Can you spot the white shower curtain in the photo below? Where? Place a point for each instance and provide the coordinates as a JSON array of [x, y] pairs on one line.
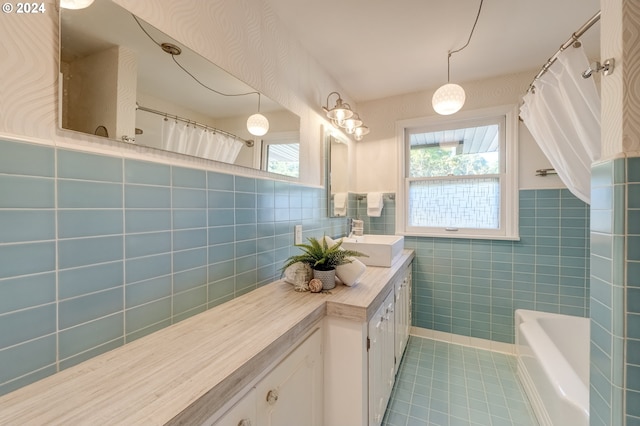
[[563, 115], [174, 136], [184, 138]]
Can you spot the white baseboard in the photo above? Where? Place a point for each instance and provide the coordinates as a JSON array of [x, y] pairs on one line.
[[474, 342]]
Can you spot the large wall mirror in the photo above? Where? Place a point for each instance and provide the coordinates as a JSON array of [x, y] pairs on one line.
[[118, 82], [337, 173]]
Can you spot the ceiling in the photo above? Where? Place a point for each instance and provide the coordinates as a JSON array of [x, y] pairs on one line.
[[380, 48]]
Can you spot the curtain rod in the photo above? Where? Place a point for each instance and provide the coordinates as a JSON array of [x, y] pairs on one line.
[[249, 142], [574, 38]]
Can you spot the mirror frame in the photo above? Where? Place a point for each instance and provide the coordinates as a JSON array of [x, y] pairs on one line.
[[332, 136]]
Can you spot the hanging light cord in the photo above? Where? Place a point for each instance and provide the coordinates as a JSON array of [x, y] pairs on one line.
[[190, 74], [451, 52]]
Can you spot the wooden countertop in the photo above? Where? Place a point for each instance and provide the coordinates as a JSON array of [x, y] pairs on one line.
[[185, 372]]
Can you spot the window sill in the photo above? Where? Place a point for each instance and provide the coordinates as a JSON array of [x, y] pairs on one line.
[[461, 236]]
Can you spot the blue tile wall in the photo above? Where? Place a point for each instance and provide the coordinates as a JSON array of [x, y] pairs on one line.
[[472, 287], [97, 251], [357, 209], [384, 224], [615, 297], [632, 286]]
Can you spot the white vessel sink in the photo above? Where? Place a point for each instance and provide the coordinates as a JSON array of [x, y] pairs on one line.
[[383, 250]]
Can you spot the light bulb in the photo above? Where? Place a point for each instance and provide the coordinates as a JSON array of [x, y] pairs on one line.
[[350, 124], [257, 124], [360, 132], [340, 112], [75, 4], [448, 99]]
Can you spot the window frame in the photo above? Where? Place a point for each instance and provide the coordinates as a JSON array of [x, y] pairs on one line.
[[261, 160], [509, 227]]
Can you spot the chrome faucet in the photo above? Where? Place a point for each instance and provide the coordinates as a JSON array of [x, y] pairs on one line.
[[349, 227]]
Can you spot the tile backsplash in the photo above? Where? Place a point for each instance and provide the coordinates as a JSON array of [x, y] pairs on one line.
[[472, 287], [384, 224], [97, 251]]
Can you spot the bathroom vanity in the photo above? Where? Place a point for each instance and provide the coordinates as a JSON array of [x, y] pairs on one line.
[[266, 357]]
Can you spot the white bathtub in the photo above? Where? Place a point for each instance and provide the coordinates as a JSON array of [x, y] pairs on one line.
[[553, 366]]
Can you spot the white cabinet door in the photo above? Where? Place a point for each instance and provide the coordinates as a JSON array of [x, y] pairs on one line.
[[381, 359], [291, 394], [389, 369], [399, 338], [408, 299], [403, 313], [376, 342], [241, 414]]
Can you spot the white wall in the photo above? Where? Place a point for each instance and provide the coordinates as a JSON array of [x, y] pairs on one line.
[[243, 37], [377, 162]]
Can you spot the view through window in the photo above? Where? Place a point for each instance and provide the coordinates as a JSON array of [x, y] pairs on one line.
[[458, 178], [460, 175]]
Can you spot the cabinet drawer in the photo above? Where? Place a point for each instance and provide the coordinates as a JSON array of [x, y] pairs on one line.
[[241, 414], [291, 394]]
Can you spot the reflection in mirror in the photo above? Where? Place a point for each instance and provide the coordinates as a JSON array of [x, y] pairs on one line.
[[118, 82], [280, 153], [337, 173]]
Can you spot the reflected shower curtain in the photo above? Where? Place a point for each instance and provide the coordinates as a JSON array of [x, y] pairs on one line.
[[174, 136], [218, 146], [563, 115], [185, 138]]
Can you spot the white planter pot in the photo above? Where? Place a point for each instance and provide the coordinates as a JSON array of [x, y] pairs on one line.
[[328, 278]]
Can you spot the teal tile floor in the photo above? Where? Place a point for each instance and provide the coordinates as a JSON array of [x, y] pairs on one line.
[[451, 385]]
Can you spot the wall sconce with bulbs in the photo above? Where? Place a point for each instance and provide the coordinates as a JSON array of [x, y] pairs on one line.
[[342, 116]]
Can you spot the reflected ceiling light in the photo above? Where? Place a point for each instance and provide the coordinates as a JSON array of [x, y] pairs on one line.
[[343, 117], [449, 98], [450, 144], [257, 124], [75, 4]]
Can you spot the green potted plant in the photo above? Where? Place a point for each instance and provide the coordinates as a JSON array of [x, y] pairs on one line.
[[323, 259]]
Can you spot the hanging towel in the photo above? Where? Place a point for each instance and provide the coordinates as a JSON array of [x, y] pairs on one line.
[[374, 204], [340, 204]]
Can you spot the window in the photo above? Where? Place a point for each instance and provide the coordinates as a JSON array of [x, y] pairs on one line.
[[280, 153], [282, 158], [459, 176]]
